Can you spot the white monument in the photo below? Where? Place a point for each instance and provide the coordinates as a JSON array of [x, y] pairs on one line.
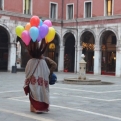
[[82, 68], [82, 75]]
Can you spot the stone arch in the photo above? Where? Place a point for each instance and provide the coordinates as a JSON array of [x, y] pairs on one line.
[[53, 53], [107, 29], [66, 32], [24, 55], [11, 36], [107, 42], [58, 34], [69, 52], [5, 37], [85, 30], [87, 41]]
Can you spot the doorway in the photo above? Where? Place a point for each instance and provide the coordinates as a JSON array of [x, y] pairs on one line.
[[4, 41], [108, 61]]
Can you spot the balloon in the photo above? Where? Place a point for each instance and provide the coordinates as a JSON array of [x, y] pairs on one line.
[[28, 26], [19, 29], [43, 30], [41, 22], [48, 23], [34, 33], [35, 21], [25, 37], [39, 38], [50, 36]]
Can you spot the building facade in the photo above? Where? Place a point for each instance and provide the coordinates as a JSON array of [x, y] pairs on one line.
[[91, 27]]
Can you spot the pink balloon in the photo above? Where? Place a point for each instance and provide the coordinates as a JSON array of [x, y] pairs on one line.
[[48, 23], [25, 37]]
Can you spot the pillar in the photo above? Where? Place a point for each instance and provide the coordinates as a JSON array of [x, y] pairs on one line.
[[97, 60], [118, 61], [12, 56], [61, 59]]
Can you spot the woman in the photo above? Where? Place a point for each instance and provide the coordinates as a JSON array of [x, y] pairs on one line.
[[37, 77]]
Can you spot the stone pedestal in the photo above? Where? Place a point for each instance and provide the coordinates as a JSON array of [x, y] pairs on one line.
[[82, 68]]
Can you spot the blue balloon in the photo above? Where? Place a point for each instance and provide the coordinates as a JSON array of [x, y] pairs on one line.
[[34, 33], [41, 22]]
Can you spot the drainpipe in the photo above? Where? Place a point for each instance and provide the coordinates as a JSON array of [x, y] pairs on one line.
[[61, 43], [77, 32], [62, 14]]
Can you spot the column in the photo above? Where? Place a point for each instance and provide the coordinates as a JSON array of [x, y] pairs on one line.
[[61, 59], [79, 53], [75, 60], [118, 61], [97, 60], [11, 56]]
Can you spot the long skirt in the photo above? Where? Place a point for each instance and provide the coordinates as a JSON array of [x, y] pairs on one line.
[[38, 90], [38, 107]]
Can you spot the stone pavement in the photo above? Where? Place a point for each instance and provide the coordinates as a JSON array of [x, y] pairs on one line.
[[68, 102]]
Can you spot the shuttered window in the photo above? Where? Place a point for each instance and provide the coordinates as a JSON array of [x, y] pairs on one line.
[[109, 7], [27, 7], [87, 9], [70, 12], [53, 11], [0, 4]]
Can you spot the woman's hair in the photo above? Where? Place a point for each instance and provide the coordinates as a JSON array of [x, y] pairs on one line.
[[36, 49]]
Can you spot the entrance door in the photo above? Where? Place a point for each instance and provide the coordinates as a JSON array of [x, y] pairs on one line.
[[89, 58], [3, 49], [51, 52], [88, 41], [69, 53], [3, 58], [108, 61]]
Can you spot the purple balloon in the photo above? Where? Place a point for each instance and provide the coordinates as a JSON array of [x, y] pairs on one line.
[[39, 38], [43, 30]]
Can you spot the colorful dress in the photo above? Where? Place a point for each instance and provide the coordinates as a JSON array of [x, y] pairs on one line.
[[38, 84]]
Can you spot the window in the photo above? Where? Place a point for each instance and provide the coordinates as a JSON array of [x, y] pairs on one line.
[[108, 7], [53, 11], [70, 12], [27, 6], [1, 1], [87, 9]]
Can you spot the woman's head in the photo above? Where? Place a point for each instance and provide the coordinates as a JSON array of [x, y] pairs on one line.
[[36, 49]]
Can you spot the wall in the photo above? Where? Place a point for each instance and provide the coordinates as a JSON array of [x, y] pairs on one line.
[[97, 8], [13, 6], [117, 7]]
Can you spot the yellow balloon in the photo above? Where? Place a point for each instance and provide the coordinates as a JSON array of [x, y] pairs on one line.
[[19, 29], [50, 36]]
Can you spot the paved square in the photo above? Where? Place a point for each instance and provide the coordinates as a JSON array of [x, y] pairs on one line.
[[69, 102]]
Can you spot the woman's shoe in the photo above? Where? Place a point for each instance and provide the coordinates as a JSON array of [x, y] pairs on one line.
[[32, 108]]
